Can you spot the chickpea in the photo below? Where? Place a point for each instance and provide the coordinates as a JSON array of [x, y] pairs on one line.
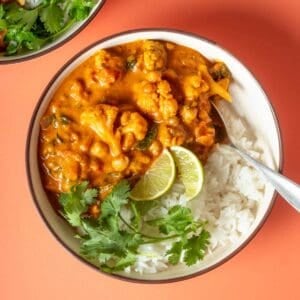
[[94, 210], [195, 81], [170, 46], [120, 163], [99, 149], [95, 165], [84, 145], [54, 108], [191, 93], [142, 158], [204, 134], [204, 86], [203, 115], [173, 121], [71, 169], [74, 137], [48, 149], [155, 148], [188, 114], [206, 140], [178, 140]]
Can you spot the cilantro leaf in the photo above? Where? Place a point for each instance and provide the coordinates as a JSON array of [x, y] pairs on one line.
[[2, 12], [89, 195], [195, 247], [116, 247], [78, 9], [112, 203], [177, 220], [52, 17], [110, 246], [24, 18], [104, 242], [17, 38], [104, 257], [76, 202], [125, 262], [174, 253]]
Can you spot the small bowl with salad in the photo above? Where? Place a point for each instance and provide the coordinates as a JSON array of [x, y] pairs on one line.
[[29, 28]]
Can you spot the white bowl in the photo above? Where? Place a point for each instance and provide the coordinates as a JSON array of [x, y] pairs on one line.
[[251, 103], [63, 38]]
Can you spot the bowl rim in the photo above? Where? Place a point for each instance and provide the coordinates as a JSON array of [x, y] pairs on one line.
[[31, 185], [34, 54]]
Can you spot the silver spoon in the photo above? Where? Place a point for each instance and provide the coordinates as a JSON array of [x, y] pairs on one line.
[[288, 189]]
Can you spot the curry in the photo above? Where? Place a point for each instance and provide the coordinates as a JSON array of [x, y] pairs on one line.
[[116, 112]]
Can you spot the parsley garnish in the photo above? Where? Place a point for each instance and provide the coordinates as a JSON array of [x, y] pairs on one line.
[[113, 242]]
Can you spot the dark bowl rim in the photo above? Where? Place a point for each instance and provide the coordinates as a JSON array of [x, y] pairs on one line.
[[34, 54], [31, 185]]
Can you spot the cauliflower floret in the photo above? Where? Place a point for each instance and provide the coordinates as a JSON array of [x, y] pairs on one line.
[[156, 100], [193, 86], [139, 163], [133, 122], [75, 91], [108, 68], [101, 121], [146, 97], [155, 55], [170, 136]]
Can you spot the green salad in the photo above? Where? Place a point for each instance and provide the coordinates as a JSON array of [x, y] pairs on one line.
[[30, 25]]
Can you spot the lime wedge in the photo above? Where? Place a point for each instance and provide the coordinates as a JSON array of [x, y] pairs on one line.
[[157, 180], [190, 170]]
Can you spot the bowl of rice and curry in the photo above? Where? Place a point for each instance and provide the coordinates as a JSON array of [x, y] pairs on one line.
[[30, 28], [125, 159]]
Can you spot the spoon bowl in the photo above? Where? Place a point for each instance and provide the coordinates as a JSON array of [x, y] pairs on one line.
[[288, 189]]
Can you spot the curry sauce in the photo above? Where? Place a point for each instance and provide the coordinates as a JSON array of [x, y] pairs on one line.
[[115, 113]]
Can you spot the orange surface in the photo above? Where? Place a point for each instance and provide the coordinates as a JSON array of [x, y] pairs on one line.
[[33, 265]]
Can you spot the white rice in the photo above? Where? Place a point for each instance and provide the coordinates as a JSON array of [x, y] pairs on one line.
[[228, 201]]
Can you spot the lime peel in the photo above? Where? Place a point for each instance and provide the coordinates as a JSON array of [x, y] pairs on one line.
[[157, 180], [190, 170]]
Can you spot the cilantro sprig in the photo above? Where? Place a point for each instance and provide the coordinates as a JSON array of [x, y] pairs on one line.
[[113, 242], [77, 202], [30, 29]]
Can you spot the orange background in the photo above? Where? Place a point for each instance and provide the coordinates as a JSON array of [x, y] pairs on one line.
[[264, 35]]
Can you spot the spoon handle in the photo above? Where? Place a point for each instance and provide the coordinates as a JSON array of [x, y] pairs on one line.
[[288, 189]]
